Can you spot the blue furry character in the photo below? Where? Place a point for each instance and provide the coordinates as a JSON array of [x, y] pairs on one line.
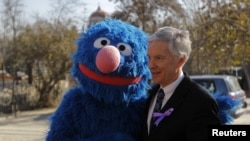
[[110, 65], [226, 106]]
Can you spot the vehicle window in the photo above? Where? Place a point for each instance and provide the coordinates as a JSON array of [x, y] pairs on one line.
[[207, 84], [222, 86], [233, 85]]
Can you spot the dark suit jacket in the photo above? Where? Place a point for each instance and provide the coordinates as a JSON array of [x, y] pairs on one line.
[[194, 110]]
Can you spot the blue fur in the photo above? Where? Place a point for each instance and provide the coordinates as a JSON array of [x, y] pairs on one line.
[[226, 106], [93, 111]]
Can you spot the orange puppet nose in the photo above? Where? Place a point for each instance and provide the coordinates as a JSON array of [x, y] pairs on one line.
[[108, 59]]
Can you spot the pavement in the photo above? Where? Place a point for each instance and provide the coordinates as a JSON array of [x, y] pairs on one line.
[[26, 126], [33, 125]]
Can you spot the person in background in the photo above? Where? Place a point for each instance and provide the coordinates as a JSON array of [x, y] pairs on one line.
[[178, 109]]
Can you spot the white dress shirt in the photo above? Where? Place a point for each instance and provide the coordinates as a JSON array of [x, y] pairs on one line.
[[168, 90]]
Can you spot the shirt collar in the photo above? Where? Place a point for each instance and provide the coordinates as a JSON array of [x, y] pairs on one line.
[[171, 87]]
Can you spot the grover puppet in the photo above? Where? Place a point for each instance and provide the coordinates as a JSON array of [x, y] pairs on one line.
[[110, 66], [226, 106]]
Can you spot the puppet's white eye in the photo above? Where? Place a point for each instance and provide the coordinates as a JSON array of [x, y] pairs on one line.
[[101, 42], [125, 49]]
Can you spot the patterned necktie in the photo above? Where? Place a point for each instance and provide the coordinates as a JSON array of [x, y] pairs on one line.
[[158, 104]]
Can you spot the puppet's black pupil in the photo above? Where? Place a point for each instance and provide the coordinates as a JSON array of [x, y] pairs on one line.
[[121, 47], [104, 42]]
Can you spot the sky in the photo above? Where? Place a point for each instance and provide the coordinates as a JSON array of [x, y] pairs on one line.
[[43, 6]]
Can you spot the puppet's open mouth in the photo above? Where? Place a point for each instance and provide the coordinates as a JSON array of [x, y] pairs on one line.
[[110, 80]]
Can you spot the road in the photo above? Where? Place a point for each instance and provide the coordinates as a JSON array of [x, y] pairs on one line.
[[27, 126], [33, 125]]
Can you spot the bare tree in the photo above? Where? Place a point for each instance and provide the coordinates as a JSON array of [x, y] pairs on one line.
[[49, 62], [11, 25], [220, 35], [63, 10], [150, 14], [51, 42], [42, 49]]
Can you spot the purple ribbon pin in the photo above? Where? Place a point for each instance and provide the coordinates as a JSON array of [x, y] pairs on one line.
[[160, 116]]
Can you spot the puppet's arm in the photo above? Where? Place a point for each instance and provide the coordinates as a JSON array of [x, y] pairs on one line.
[[63, 122]]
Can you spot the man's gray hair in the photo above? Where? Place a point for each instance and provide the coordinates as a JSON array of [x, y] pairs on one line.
[[178, 40]]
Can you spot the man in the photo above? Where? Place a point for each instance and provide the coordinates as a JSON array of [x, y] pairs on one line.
[[186, 109]]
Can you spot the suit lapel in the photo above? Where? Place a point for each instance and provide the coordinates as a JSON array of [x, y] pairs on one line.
[[175, 100]]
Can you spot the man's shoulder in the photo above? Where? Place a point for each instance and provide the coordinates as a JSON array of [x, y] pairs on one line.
[[197, 91]]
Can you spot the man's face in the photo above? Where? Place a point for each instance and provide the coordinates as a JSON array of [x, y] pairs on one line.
[[164, 66]]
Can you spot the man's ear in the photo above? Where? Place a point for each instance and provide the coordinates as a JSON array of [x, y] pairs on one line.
[[181, 61]]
